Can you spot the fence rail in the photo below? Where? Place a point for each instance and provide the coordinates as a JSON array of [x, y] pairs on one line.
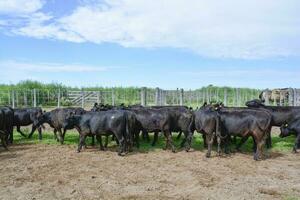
[[144, 96]]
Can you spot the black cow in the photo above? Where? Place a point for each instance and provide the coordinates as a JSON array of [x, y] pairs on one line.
[[244, 122], [207, 123], [102, 123], [182, 120], [289, 129], [56, 118], [27, 116], [8, 123], [280, 114], [154, 120], [3, 133], [244, 139]]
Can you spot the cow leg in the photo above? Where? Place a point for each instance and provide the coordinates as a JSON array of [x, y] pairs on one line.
[[40, 133], [55, 135], [93, 140], [297, 142], [219, 145], [169, 141], [269, 141], [137, 139], [209, 141], [146, 136], [99, 139], [32, 131], [60, 136], [155, 138], [19, 130], [113, 138], [81, 142], [3, 141], [106, 141], [260, 141], [122, 145], [204, 141], [243, 140], [188, 140], [234, 140], [179, 135], [64, 133]]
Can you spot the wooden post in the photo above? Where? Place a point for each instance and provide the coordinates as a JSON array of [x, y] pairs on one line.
[[225, 96], [34, 97], [13, 98], [98, 97], [291, 97], [144, 96], [267, 100], [181, 97], [177, 96], [157, 96], [113, 100], [58, 98], [82, 98], [281, 98], [25, 99], [295, 96], [17, 99]]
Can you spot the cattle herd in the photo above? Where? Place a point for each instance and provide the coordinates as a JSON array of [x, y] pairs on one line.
[[218, 124]]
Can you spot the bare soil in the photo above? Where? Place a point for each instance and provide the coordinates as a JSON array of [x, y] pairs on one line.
[[39, 171]]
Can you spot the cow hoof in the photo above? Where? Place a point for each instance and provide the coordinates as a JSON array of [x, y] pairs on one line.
[[294, 151], [207, 155]]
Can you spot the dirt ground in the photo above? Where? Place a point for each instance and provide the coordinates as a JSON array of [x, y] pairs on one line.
[[40, 171]]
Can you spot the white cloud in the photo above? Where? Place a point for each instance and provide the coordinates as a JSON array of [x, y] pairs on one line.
[[49, 67], [229, 28], [20, 6]]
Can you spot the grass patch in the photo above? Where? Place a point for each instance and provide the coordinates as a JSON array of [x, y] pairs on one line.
[[72, 138]]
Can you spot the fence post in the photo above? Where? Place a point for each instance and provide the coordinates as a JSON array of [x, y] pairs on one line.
[[267, 100], [113, 100], [281, 98], [25, 99], [98, 97], [291, 97], [181, 97], [295, 96], [225, 96], [157, 96], [82, 98], [34, 97], [13, 98], [58, 98], [144, 96]]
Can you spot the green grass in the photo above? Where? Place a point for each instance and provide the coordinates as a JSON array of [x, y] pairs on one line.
[[72, 137]]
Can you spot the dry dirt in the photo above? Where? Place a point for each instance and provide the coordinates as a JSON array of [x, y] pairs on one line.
[[39, 171]]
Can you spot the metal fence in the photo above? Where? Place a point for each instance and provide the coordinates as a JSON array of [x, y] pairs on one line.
[[143, 96]]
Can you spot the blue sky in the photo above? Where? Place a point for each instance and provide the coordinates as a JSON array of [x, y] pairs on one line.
[[168, 43]]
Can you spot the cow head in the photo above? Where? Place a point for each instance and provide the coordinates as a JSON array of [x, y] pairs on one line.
[[285, 130], [41, 119], [255, 103], [71, 120]]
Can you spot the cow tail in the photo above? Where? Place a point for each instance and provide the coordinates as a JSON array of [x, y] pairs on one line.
[[218, 128], [127, 134]]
